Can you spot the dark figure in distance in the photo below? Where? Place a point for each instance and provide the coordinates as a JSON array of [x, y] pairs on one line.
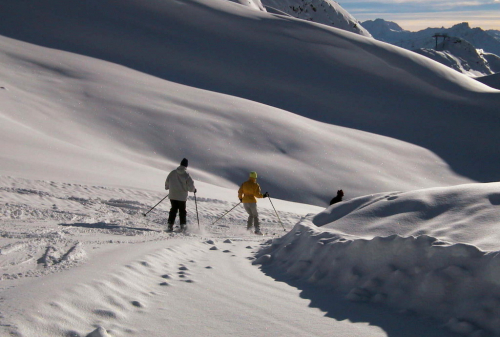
[[338, 198]]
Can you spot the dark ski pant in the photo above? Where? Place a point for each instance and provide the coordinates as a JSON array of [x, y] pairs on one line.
[[180, 206]]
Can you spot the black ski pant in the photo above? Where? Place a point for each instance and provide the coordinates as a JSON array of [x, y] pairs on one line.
[[180, 206]]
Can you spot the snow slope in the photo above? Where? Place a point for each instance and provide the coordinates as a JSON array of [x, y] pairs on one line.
[[494, 33], [349, 81], [415, 251], [493, 61], [463, 213], [456, 284], [326, 12], [73, 118], [491, 80], [255, 4]]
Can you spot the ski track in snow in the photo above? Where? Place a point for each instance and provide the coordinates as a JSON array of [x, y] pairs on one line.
[[47, 223], [48, 227]]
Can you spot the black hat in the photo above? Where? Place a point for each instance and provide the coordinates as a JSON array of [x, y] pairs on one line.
[[184, 162]]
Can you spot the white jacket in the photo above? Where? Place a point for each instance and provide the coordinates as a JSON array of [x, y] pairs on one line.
[[179, 182]]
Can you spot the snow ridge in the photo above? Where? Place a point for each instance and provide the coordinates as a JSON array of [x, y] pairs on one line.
[[457, 284]]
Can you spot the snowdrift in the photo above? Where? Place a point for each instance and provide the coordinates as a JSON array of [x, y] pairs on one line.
[[456, 284], [415, 251], [465, 213], [301, 67]]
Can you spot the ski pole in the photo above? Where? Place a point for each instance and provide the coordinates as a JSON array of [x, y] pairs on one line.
[[225, 214], [155, 206], [196, 204], [276, 213]]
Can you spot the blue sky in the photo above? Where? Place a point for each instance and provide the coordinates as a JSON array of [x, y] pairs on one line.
[[420, 14]]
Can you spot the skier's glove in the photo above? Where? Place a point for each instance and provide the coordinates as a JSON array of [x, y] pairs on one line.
[[195, 190], [266, 195], [241, 200]]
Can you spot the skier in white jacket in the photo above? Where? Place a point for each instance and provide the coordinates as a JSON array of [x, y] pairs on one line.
[[179, 183]]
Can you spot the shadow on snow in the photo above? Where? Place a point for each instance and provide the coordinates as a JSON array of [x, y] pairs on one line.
[[334, 305], [103, 225]]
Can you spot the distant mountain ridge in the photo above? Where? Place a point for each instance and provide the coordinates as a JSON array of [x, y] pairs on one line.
[[392, 33], [471, 51]]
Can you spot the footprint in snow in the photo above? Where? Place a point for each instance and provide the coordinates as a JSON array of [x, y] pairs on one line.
[[183, 268], [228, 241], [214, 248], [105, 313], [137, 304], [226, 251], [164, 284], [166, 276]]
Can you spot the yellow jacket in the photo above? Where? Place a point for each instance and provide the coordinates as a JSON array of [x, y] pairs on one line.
[[249, 190]]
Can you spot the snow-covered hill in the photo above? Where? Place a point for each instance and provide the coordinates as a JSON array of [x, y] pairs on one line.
[[327, 12], [302, 68], [377, 249]]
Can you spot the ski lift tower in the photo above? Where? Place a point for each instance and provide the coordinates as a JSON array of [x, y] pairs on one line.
[[437, 36]]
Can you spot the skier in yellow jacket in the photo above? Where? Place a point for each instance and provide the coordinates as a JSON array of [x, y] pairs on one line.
[[247, 194]]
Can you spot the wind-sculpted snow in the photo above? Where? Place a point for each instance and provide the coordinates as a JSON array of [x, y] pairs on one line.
[[462, 213], [106, 124], [454, 283]]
